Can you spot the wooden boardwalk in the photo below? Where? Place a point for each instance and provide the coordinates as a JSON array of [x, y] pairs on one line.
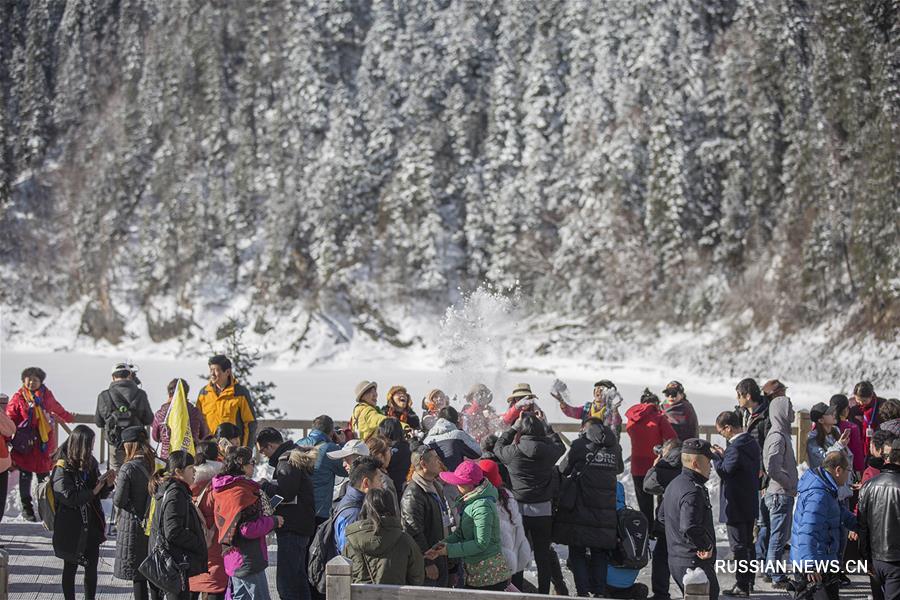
[[35, 573]]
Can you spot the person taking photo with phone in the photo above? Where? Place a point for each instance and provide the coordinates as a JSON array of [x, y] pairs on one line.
[[291, 481]]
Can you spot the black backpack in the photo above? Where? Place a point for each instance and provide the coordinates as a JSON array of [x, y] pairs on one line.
[[633, 546], [119, 418], [322, 550]]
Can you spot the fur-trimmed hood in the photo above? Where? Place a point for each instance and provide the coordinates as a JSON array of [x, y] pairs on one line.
[[204, 473], [303, 457]]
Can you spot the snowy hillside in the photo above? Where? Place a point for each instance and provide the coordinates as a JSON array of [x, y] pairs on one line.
[[704, 185]]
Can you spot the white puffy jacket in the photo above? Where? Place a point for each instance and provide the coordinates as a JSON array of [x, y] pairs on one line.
[[513, 543]]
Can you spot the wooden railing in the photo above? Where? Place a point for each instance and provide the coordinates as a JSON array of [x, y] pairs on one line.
[[800, 430], [339, 586]]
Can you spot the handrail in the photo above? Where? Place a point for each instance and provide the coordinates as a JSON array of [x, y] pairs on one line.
[[339, 586], [801, 426]]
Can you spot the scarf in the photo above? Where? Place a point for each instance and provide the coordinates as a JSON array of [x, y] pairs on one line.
[[38, 416], [400, 414], [596, 411], [230, 502]]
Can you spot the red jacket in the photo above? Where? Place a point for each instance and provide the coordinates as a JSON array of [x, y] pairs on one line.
[[18, 410], [647, 427], [859, 414], [868, 474], [215, 580]]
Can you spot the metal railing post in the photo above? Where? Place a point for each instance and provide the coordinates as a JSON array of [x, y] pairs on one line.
[[801, 418]]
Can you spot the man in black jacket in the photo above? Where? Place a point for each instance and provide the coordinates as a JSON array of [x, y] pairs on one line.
[[657, 479], [738, 468], [291, 480], [119, 407], [687, 516], [530, 450], [423, 511], [879, 525]]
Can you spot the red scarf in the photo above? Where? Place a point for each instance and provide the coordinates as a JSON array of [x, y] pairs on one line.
[[229, 503], [392, 411]]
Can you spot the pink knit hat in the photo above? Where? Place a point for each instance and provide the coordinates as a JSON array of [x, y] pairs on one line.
[[467, 473]]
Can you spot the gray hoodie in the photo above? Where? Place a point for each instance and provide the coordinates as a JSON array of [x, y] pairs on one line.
[[779, 460]]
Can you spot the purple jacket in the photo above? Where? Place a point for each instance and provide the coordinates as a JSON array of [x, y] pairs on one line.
[[248, 554], [160, 431]]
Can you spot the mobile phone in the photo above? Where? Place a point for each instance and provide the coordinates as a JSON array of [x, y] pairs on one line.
[[275, 500]]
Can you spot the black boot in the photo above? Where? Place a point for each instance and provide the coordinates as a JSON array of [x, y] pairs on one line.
[[28, 512]]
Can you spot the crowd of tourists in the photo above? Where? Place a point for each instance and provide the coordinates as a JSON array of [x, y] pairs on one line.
[[467, 498]]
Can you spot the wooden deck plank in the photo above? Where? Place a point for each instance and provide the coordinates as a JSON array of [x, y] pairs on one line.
[[35, 573]]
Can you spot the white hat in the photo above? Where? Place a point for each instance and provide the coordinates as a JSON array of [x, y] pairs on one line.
[[124, 366], [351, 448]]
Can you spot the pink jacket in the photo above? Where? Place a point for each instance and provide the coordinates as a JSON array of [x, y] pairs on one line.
[[251, 530], [857, 445], [18, 410]]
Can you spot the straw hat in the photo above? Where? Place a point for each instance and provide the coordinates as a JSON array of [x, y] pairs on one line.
[[522, 390]]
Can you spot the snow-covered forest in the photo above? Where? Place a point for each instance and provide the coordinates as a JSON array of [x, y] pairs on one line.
[[728, 170]]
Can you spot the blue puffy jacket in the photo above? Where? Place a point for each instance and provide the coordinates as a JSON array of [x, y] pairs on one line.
[[818, 517], [326, 470]]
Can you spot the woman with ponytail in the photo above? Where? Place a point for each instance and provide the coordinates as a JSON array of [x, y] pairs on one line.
[[378, 549], [132, 498], [176, 522]]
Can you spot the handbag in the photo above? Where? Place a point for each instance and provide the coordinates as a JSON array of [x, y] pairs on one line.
[[160, 567], [25, 438]]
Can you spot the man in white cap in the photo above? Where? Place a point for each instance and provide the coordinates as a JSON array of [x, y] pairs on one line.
[[120, 406], [366, 417], [352, 450]]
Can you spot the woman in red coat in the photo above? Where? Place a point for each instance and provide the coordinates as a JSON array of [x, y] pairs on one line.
[[647, 427], [35, 403], [215, 580]]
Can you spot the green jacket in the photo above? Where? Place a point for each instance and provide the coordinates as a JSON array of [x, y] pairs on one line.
[[388, 556], [478, 534]]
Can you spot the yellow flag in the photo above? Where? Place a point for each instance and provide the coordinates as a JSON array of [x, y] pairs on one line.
[[179, 422]]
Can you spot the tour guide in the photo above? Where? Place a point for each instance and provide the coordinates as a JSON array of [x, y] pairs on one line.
[[687, 516]]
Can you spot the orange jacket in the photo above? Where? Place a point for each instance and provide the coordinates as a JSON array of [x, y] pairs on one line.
[[233, 405]]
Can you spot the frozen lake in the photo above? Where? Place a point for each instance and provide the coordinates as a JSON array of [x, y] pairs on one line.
[[304, 393]]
